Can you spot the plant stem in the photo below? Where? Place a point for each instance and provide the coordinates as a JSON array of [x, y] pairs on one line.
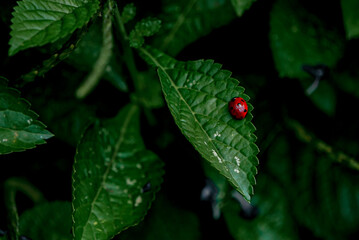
[[128, 53], [103, 59], [13, 185], [13, 217], [307, 137]]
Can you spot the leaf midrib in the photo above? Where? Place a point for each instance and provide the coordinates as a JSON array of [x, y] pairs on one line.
[[119, 142], [190, 109]]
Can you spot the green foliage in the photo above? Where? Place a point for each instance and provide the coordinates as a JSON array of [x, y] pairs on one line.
[[351, 17], [112, 166], [339, 207], [324, 98], [149, 97], [87, 52], [50, 220], [347, 79], [309, 180], [197, 94], [19, 129], [122, 131], [273, 217], [165, 221], [38, 22], [128, 13], [240, 6], [299, 38], [104, 57], [186, 21], [144, 28]]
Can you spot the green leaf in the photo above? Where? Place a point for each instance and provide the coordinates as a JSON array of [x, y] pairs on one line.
[[273, 221], [197, 94], [240, 6], [299, 38], [351, 17], [50, 220], [188, 20], [324, 98], [149, 90], [348, 79], [38, 22], [128, 13], [19, 129], [112, 166], [330, 207], [165, 221], [144, 28], [69, 120]]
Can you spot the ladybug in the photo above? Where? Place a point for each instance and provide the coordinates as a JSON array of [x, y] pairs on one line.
[[238, 108]]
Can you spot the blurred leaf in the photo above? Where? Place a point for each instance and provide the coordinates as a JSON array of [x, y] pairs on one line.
[[50, 220], [279, 162], [299, 38], [150, 91], [324, 97], [348, 80], [188, 20], [326, 196], [38, 22], [219, 181], [112, 166], [273, 221], [144, 28], [197, 94], [351, 17], [165, 221], [19, 129], [69, 120], [87, 52], [128, 13], [240, 6]]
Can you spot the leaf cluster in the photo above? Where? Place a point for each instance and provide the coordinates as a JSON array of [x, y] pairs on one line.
[[140, 143]]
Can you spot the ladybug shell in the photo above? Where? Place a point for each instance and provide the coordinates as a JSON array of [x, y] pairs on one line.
[[238, 108]]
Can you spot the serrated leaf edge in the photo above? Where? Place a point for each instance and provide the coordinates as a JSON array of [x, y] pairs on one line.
[[216, 152]]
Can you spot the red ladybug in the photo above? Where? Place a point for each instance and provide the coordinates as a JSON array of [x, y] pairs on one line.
[[238, 108]]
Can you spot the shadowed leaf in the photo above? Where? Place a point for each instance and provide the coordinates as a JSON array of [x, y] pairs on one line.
[[111, 169]]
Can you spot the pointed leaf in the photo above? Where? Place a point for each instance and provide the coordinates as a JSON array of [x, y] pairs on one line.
[[38, 22], [351, 17], [47, 221], [197, 94], [115, 178], [188, 20], [19, 129], [299, 38]]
